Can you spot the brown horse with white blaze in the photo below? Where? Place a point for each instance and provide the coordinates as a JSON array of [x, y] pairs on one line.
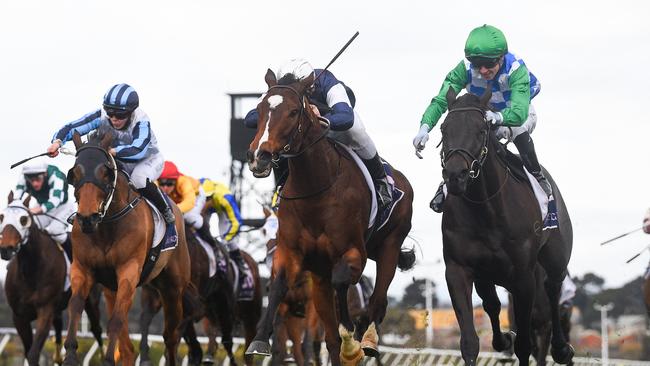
[[111, 236], [323, 219]]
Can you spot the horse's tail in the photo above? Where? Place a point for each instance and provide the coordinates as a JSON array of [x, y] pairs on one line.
[[406, 259], [192, 305]]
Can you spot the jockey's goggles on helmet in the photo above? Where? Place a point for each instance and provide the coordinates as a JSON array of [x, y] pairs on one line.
[[487, 62], [119, 114], [167, 182], [33, 176]]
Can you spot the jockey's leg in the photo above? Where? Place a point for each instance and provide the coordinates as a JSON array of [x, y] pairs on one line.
[[143, 175], [155, 195], [358, 140], [235, 255]]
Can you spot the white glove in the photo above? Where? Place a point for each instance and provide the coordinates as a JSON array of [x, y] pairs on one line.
[[421, 138], [494, 117]]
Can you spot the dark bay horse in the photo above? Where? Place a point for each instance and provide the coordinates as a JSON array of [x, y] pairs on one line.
[[323, 219], [220, 307], [35, 281], [492, 233], [111, 237]]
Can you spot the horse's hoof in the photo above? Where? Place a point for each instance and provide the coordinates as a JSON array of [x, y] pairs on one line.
[[207, 360], [563, 355], [259, 348], [508, 344], [370, 351], [70, 360], [369, 341]]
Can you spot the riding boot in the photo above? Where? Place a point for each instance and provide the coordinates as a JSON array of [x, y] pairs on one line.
[[378, 174], [438, 199], [205, 234], [526, 148], [153, 194], [236, 256]]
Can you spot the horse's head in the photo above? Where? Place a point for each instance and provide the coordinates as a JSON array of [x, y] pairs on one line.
[[282, 113], [15, 223], [465, 134], [94, 176]]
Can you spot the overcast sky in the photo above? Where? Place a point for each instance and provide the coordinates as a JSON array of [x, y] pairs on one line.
[[57, 59]]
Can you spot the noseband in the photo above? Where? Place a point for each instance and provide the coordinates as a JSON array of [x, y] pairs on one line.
[[323, 121], [475, 164], [108, 189]]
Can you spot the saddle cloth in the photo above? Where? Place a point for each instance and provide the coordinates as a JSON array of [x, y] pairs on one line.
[[160, 232], [398, 194], [244, 288]]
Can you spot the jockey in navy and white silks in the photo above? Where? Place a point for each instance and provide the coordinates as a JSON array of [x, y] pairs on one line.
[[134, 143], [48, 185], [330, 98]]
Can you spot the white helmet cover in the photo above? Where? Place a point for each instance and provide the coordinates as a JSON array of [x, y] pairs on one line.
[[299, 67], [35, 168]]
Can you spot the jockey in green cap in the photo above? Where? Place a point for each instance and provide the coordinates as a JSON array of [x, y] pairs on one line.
[[488, 63]]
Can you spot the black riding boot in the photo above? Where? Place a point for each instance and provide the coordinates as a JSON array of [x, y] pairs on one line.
[[205, 234], [153, 194], [241, 264], [438, 199], [528, 156], [67, 247], [378, 174]]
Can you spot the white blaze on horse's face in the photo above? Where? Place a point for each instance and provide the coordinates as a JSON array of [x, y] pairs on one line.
[[274, 101]]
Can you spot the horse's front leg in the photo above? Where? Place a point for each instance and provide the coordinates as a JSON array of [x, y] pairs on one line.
[[43, 322], [81, 281], [492, 306], [345, 273], [286, 268], [459, 283], [150, 305], [118, 326], [523, 295], [323, 297]]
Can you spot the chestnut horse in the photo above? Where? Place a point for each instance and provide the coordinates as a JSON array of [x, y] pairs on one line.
[[111, 237], [492, 233], [219, 307], [37, 294], [323, 219]]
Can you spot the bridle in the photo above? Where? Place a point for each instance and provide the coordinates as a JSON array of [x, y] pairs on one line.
[[108, 189], [303, 104], [25, 238], [475, 164]]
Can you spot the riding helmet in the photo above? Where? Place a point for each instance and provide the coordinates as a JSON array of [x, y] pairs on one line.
[[121, 97], [170, 171], [486, 41], [35, 168], [298, 67]]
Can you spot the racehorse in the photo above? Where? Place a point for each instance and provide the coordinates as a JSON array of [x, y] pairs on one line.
[[323, 215], [111, 236], [219, 305], [37, 294], [492, 232], [646, 297]]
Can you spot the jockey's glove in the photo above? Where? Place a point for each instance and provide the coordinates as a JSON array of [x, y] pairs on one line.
[[422, 137], [494, 117]]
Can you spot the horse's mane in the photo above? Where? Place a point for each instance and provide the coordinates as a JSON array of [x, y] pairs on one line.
[[95, 137]]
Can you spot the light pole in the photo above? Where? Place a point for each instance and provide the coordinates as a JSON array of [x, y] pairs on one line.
[[603, 331]]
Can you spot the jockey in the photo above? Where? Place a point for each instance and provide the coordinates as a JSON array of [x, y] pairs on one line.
[[488, 63], [222, 202], [333, 100], [134, 143], [187, 193], [48, 185]]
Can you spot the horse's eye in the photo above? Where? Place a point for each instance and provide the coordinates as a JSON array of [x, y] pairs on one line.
[[293, 113], [24, 220]]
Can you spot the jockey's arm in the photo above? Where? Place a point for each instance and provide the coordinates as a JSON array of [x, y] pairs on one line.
[[138, 148], [187, 193], [56, 180], [251, 118], [341, 116], [83, 125], [456, 79], [517, 113], [231, 210], [21, 186]]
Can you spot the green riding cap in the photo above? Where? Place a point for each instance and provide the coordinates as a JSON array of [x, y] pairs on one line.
[[486, 41]]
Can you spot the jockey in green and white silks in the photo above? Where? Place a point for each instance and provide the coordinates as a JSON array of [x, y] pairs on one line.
[[488, 63], [48, 185]]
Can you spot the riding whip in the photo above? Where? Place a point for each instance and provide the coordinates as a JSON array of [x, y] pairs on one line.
[[638, 254], [26, 160], [338, 54], [620, 236]]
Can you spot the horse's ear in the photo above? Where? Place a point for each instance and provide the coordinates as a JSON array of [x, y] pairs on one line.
[[107, 139], [10, 198], [270, 78], [451, 96], [76, 138], [485, 98], [307, 82], [26, 200]]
